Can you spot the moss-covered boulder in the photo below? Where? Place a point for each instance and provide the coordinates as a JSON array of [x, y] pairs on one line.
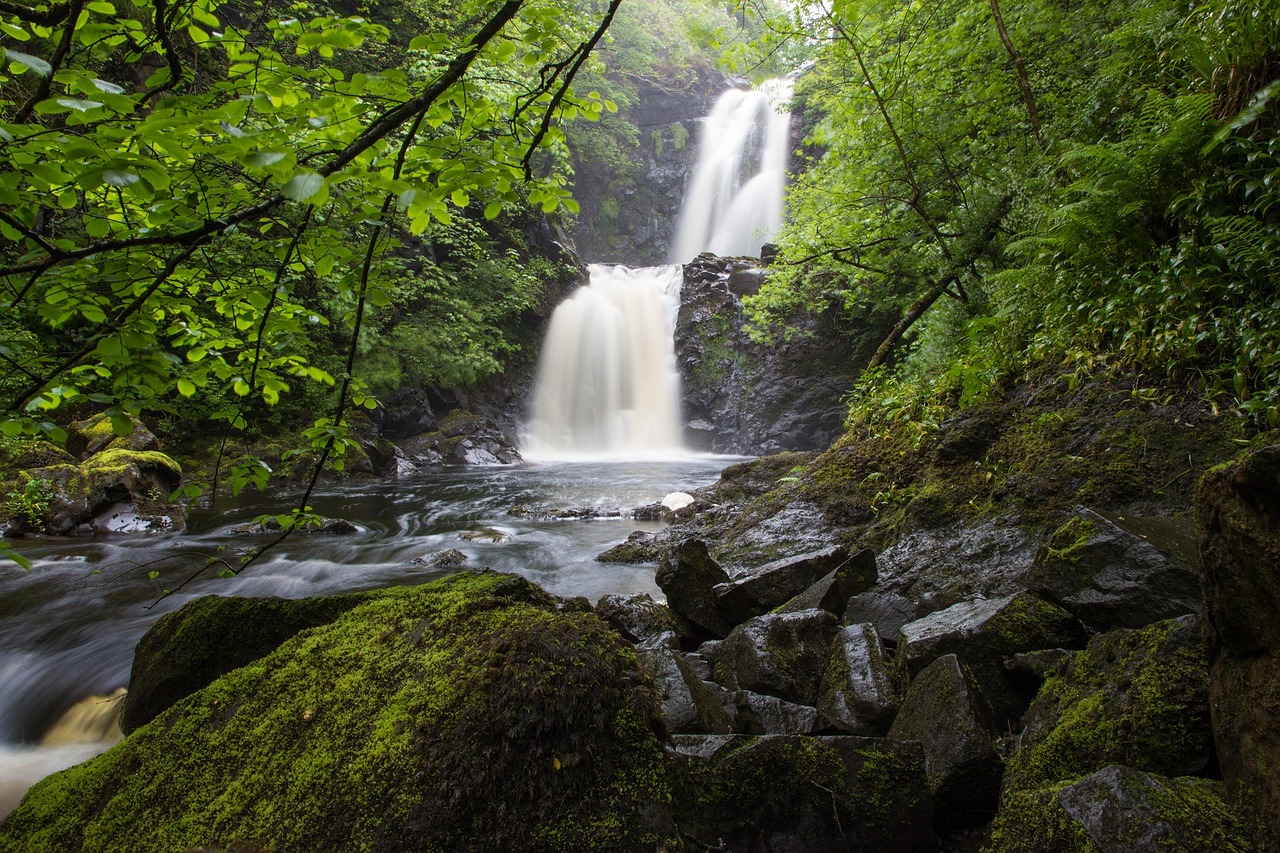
[[97, 433], [141, 479], [1238, 511], [1119, 810], [778, 793], [210, 636], [1138, 698], [464, 714]]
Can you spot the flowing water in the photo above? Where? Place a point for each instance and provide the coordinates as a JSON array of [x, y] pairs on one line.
[[733, 205], [68, 627], [607, 382]]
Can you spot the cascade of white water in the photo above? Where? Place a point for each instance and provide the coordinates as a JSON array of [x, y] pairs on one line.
[[734, 202], [607, 382]]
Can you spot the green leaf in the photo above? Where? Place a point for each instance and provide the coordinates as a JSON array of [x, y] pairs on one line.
[[28, 62], [120, 179], [78, 104], [262, 159], [121, 425], [303, 186], [492, 209], [7, 552], [460, 198], [186, 387]]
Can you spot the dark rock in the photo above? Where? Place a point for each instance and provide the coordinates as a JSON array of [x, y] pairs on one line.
[[966, 437], [946, 712], [648, 512], [689, 705], [858, 693], [782, 654], [638, 618], [1119, 810], [450, 559], [466, 714], [640, 547], [323, 524], [1238, 512], [956, 562], [1109, 578], [832, 592], [404, 413], [1140, 698], [1029, 670], [800, 794], [143, 480], [778, 582], [687, 575], [95, 434], [758, 714], [887, 611]]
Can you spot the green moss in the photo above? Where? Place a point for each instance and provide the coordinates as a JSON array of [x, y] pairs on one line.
[[1067, 540], [464, 714], [1034, 820], [1138, 698], [113, 461]]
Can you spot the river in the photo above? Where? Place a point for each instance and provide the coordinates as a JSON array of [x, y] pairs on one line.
[[69, 626]]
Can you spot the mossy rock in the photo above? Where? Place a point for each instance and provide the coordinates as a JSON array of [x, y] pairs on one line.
[[1119, 810], [18, 455], [1139, 698], [464, 714], [97, 433]]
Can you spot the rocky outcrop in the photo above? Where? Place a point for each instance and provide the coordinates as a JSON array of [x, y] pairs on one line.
[[742, 396], [1238, 512]]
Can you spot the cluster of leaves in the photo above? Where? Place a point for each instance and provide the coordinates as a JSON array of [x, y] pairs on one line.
[[195, 196], [1087, 182], [28, 506]]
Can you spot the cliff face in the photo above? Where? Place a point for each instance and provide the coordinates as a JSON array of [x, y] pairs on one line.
[[631, 195], [741, 396]]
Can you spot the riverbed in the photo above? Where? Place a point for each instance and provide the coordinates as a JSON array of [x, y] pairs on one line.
[[68, 627]]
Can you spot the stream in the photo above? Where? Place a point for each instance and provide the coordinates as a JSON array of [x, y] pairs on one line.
[[68, 627]]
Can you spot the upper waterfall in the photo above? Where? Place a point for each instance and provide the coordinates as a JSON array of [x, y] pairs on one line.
[[734, 202], [607, 383]]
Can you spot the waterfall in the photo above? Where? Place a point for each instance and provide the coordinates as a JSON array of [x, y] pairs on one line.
[[607, 383], [734, 202]]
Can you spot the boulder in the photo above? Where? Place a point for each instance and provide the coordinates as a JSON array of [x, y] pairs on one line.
[[797, 794], [450, 558], [1139, 698], [775, 583], [887, 611], [687, 575], [689, 705], [640, 547], [1238, 514], [1110, 578], [833, 591], [782, 654], [142, 479], [947, 714], [638, 618], [1119, 810], [97, 433], [758, 714], [858, 694], [465, 714]]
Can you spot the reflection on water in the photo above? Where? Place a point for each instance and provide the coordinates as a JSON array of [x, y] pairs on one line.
[[68, 627]]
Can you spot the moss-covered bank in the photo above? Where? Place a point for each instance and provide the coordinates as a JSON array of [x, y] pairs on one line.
[[468, 713]]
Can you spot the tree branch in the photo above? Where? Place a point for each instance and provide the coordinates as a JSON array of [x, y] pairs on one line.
[[1024, 83], [64, 47], [51, 17]]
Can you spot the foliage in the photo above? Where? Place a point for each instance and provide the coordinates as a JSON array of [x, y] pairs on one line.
[[28, 506], [188, 193]]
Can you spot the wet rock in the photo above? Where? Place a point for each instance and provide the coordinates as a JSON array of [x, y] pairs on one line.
[[800, 794], [782, 654], [689, 705], [404, 413], [958, 562], [1140, 698], [640, 547], [638, 618], [143, 480], [450, 559], [97, 433], [1119, 810], [1029, 670], [798, 528], [775, 583], [887, 611], [323, 524], [542, 513], [833, 591], [485, 534], [945, 711], [648, 512], [1110, 578], [758, 714], [858, 694], [687, 575], [1238, 512]]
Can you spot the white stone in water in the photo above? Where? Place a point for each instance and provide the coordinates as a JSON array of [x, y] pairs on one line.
[[677, 500]]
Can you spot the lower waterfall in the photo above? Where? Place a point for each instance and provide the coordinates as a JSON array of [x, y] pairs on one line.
[[607, 383]]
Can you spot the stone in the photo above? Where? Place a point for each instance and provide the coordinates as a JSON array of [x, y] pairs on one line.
[[689, 705], [96, 433], [465, 714], [1120, 810], [1110, 578], [858, 693], [640, 547], [638, 618], [1238, 515], [775, 583], [141, 479], [887, 611], [833, 591], [1139, 698], [451, 558], [782, 654], [798, 794], [758, 714], [687, 575], [946, 713]]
